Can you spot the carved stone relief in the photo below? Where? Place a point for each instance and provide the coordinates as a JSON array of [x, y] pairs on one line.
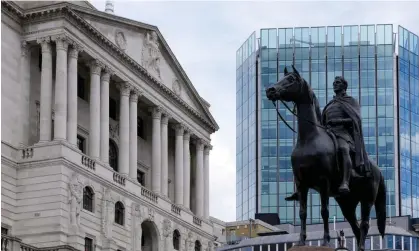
[[150, 55], [120, 40], [75, 197], [108, 207], [176, 87]]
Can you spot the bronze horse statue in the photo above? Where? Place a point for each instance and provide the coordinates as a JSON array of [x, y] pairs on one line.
[[315, 163]]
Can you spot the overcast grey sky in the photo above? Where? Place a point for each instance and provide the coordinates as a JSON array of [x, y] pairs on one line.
[[204, 35]]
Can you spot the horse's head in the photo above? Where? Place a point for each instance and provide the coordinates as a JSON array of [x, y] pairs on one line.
[[288, 88]]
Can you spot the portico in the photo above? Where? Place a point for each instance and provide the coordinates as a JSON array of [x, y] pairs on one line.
[[63, 101]]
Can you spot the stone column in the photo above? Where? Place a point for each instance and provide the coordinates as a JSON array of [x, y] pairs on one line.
[[123, 158], [60, 108], [46, 91], [104, 114], [72, 94], [156, 150], [186, 170], [94, 123], [133, 140], [164, 155], [25, 87], [199, 178], [206, 180], [179, 164]]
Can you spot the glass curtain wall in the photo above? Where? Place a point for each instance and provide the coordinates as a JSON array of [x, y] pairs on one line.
[[408, 91], [246, 129]]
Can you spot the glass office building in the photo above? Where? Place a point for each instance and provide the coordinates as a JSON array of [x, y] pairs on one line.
[[380, 63]]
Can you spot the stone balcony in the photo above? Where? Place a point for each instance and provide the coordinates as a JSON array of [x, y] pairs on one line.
[[62, 153]]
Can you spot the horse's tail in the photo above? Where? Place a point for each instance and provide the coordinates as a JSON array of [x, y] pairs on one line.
[[380, 206]]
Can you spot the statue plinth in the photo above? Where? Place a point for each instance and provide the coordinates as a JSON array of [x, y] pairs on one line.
[[310, 248]]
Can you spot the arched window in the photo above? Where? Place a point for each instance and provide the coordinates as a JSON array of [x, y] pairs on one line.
[[88, 199], [119, 213], [176, 239], [197, 246], [113, 155]]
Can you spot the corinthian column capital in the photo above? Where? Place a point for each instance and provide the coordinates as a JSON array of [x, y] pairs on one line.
[[135, 94], [95, 66], [75, 49], [107, 73], [156, 112], [61, 41], [25, 48], [45, 43], [124, 88], [207, 149], [199, 144]]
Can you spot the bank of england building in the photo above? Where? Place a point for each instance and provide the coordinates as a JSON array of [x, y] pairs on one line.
[[105, 141]]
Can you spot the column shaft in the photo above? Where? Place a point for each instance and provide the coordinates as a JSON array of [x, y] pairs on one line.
[[186, 171], [25, 83], [123, 158], [164, 156], [46, 91], [94, 128], [206, 181], [72, 95], [60, 108], [133, 139], [199, 179], [104, 115], [179, 164], [156, 150]]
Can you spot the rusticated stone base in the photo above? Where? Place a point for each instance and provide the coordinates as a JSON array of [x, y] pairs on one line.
[[310, 248]]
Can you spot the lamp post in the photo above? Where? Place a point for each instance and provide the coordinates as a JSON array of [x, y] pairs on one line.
[[250, 227]]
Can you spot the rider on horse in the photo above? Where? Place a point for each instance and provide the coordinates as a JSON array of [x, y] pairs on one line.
[[342, 118]]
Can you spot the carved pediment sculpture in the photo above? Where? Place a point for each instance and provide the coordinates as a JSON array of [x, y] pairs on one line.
[[176, 87], [150, 55], [120, 40]]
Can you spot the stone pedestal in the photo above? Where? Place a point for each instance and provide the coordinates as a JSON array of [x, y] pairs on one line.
[[310, 248], [76, 237]]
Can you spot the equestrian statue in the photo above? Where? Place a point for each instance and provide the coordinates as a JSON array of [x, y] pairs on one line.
[[330, 156]]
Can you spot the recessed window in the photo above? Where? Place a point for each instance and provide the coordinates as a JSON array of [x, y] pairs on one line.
[[140, 177], [81, 87], [113, 109], [81, 143], [197, 246], [88, 199], [176, 239], [113, 155], [4, 230], [140, 127], [119, 213], [88, 244]]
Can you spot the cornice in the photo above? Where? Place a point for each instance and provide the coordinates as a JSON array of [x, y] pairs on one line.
[[66, 11]]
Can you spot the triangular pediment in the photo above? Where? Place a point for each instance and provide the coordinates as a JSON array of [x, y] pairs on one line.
[[145, 44]]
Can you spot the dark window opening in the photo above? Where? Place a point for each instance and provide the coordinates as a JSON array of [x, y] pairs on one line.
[[4, 230], [119, 213], [81, 88], [197, 246], [141, 177], [176, 240], [88, 244], [81, 143], [140, 127], [88, 199], [113, 155], [112, 109]]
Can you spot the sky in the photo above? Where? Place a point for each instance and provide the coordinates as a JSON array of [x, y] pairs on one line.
[[205, 35]]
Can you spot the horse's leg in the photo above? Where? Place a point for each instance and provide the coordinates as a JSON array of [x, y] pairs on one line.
[[324, 197], [348, 207], [365, 225], [303, 214]]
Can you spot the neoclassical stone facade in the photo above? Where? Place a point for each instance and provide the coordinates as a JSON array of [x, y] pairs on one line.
[[105, 142]]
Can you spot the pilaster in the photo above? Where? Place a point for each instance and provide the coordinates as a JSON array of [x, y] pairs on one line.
[[164, 154], [123, 158], [25, 83]]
